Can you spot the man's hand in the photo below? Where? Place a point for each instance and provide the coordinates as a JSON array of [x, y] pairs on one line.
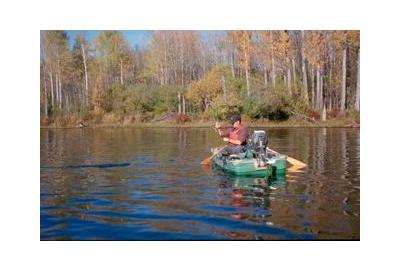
[[232, 141], [217, 125]]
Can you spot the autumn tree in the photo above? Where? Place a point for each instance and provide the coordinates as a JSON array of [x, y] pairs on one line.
[[282, 57], [304, 92], [314, 53], [261, 70], [267, 55], [244, 46], [353, 39], [212, 90], [55, 54], [114, 51], [80, 54], [230, 41]]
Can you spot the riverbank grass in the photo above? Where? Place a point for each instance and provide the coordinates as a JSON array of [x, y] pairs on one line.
[[149, 120]]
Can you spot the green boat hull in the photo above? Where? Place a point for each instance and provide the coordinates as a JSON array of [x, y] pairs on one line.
[[245, 166], [249, 166]]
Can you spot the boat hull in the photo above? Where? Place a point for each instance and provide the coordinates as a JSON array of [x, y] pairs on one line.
[[276, 165], [243, 167]]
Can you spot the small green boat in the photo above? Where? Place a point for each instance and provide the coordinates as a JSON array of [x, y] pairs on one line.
[[256, 160]]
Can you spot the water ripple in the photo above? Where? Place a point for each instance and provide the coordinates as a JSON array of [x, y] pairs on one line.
[[164, 194]]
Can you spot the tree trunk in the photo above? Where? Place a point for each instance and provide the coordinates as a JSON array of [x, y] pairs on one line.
[[312, 88], [182, 61], [52, 89], [179, 103], [183, 104], [284, 81], [303, 68], [247, 73], [67, 99], [86, 77], [265, 77], [175, 72], [343, 95], [357, 105], [182, 70], [59, 84], [60, 89], [45, 93], [233, 63], [165, 69], [329, 88], [162, 76], [321, 90], [294, 75], [289, 83], [57, 91], [317, 104], [223, 87], [122, 75], [273, 70], [272, 59]]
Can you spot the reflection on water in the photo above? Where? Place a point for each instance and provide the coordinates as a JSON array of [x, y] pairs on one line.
[[163, 192]]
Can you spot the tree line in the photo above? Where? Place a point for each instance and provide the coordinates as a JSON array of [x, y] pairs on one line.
[[257, 73]]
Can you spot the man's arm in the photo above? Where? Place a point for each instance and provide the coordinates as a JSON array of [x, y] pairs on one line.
[[243, 133], [232, 141], [223, 132]]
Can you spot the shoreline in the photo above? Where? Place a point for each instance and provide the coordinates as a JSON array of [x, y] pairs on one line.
[[330, 123]]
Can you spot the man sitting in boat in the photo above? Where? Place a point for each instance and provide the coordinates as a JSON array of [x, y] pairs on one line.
[[236, 135]]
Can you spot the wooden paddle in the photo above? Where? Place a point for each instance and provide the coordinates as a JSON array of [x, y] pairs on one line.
[[291, 160], [208, 160]]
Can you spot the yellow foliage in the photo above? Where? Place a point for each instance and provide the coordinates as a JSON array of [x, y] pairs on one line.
[[210, 86], [222, 108], [281, 46], [242, 40], [314, 44]]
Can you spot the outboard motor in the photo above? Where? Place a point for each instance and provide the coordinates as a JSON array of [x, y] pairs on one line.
[[259, 141], [258, 144]]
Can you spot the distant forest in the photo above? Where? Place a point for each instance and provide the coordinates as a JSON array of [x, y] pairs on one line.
[[260, 74]]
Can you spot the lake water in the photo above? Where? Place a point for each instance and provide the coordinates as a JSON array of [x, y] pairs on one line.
[[148, 184]]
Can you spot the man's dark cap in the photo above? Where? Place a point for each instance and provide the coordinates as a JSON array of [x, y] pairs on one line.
[[235, 118]]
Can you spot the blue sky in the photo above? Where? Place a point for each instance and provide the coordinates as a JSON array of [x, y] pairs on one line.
[[135, 37], [140, 38]]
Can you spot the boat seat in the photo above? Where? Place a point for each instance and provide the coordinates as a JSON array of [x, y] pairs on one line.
[[237, 156]]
